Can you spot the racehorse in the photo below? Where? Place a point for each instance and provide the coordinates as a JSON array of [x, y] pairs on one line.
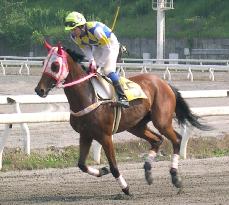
[[63, 68]]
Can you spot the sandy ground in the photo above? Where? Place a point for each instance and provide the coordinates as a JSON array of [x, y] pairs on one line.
[[206, 181]]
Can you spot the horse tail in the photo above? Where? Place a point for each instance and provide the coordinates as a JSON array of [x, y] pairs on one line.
[[184, 114]]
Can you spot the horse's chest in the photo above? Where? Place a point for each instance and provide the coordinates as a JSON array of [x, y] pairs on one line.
[[76, 124], [81, 125]]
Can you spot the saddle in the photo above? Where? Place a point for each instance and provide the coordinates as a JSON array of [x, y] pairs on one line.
[[105, 92], [104, 89]]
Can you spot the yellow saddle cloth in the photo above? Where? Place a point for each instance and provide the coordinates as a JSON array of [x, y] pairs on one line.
[[131, 89]]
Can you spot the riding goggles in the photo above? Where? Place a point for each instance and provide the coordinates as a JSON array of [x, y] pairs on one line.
[[70, 24]]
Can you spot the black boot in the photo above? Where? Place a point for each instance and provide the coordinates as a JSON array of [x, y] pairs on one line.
[[123, 101]]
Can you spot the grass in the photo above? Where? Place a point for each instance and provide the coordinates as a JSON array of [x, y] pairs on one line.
[[15, 159]]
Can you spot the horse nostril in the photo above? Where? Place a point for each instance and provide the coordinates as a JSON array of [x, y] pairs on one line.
[[39, 92]]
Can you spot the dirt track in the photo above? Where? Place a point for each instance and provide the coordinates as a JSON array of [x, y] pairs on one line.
[[206, 181]]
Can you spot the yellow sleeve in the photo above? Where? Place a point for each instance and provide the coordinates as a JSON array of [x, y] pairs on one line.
[[101, 36], [104, 40]]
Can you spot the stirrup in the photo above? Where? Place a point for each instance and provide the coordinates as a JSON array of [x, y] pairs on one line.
[[123, 102]]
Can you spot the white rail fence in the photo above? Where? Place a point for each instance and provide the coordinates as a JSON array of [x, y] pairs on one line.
[[6, 62], [128, 64], [41, 117]]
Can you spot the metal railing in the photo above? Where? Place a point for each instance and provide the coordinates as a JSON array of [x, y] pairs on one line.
[[131, 64]]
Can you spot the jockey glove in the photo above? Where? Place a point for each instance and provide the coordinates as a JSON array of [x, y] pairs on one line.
[[92, 66]]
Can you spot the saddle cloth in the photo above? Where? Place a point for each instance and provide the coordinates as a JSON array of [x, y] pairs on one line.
[[105, 91], [131, 89]]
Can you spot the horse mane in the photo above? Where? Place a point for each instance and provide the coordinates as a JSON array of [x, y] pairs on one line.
[[77, 57]]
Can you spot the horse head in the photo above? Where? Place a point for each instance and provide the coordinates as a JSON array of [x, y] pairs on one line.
[[55, 69]]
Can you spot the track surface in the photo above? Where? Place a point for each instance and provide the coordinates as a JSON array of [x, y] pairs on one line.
[[206, 181]]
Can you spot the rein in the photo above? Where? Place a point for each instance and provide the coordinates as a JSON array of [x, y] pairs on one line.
[[90, 107], [76, 81]]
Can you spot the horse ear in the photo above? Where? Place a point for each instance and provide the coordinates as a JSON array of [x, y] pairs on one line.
[[59, 49], [47, 45]]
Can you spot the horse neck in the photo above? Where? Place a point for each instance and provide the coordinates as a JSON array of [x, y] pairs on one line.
[[79, 95]]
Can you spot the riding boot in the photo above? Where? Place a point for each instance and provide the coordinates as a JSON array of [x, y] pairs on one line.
[[123, 101]]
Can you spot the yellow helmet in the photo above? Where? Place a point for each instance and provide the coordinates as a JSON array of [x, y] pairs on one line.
[[73, 20]]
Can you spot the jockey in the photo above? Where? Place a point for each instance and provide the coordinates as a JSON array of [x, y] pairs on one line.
[[100, 46]]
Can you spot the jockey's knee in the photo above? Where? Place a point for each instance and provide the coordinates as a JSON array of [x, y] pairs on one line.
[[82, 167]]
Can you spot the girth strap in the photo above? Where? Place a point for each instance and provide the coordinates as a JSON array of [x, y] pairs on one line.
[[89, 108], [117, 118]]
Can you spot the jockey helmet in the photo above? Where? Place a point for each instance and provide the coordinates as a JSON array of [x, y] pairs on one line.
[[73, 20]]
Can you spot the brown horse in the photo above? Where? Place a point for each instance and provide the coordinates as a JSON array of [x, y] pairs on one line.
[[62, 67]]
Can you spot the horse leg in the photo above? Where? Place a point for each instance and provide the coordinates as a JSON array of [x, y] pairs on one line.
[[143, 131], [85, 144], [175, 138], [108, 147]]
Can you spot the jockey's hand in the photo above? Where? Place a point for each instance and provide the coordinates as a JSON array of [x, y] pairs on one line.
[[92, 66]]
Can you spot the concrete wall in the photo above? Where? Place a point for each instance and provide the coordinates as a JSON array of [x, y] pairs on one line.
[[139, 46]]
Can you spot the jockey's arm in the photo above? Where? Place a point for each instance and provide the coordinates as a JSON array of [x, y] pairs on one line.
[[104, 44], [87, 50]]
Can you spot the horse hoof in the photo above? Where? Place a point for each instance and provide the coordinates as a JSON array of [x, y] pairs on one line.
[[104, 171], [148, 177], [148, 173], [126, 191], [176, 180], [180, 191]]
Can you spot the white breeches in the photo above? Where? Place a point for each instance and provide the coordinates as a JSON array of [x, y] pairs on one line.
[[110, 64]]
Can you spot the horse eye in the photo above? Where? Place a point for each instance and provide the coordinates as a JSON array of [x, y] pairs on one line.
[[55, 67]]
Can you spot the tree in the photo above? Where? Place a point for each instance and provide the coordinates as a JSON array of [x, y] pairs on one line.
[[14, 28]]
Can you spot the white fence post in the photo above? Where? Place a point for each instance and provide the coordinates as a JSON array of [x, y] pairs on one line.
[[167, 73], [190, 75], [27, 68], [96, 149], [3, 138], [120, 70], [211, 74], [24, 126], [3, 69], [184, 141], [25, 131]]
